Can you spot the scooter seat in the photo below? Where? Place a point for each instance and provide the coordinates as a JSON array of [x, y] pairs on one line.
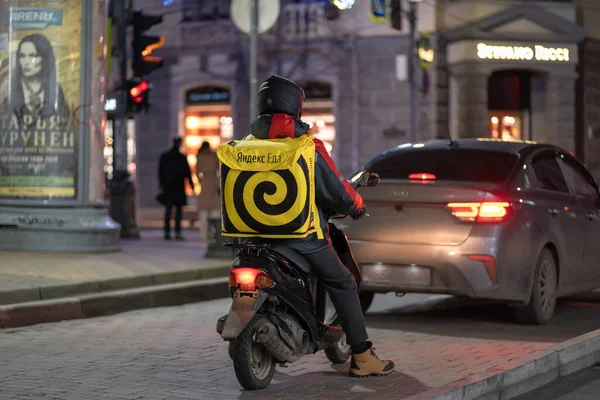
[[294, 257]]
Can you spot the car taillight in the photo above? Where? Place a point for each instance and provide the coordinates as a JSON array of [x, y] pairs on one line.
[[249, 278], [480, 212], [422, 176]]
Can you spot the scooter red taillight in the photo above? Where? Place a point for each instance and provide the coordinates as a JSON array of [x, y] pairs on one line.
[[249, 278]]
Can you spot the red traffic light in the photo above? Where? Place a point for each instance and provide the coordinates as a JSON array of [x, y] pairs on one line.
[[138, 90]]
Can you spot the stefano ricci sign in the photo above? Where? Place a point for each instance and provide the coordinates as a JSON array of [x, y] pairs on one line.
[[525, 53]]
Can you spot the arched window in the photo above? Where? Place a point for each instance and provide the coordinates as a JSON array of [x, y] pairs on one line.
[[207, 118]]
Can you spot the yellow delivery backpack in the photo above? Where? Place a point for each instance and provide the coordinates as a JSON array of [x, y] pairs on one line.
[[268, 188]]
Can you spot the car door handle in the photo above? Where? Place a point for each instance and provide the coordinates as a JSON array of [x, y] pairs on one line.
[[553, 211]]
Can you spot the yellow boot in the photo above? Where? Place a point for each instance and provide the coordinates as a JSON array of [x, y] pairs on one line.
[[368, 364]]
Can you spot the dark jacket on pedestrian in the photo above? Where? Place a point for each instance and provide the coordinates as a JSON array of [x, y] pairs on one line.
[[173, 170], [334, 194]]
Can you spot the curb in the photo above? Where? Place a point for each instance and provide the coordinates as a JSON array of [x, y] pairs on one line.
[[523, 374], [89, 287], [112, 302]]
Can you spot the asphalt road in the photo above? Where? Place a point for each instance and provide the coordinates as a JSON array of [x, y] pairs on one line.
[[583, 385], [175, 353]]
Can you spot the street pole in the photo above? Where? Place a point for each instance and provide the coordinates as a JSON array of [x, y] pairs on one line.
[[122, 191], [120, 123], [253, 64], [278, 45], [414, 72], [355, 103]]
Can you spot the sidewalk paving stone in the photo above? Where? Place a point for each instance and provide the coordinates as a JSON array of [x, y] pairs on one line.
[[32, 276], [174, 352]]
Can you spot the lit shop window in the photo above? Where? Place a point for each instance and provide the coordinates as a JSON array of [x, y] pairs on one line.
[[506, 127], [214, 127], [322, 126]]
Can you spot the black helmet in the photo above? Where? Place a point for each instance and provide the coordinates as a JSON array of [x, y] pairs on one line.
[[279, 95]]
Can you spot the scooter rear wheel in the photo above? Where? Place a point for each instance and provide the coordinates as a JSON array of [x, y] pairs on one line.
[[254, 366]]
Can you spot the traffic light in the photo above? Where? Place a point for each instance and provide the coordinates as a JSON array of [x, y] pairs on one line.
[[396, 14], [143, 45], [138, 92]]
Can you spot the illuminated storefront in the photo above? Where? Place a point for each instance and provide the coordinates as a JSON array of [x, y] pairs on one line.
[[512, 91], [512, 100], [515, 85], [207, 118], [506, 127]]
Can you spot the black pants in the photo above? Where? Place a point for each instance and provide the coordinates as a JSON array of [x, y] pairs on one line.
[[342, 290], [178, 216]]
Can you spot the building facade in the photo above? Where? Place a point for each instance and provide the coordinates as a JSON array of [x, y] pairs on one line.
[[356, 86], [511, 69], [588, 87], [495, 69]]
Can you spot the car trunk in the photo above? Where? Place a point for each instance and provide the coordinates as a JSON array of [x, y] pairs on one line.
[[410, 205], [415, 213]]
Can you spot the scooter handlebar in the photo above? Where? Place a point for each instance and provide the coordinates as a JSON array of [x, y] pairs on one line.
[[356, 186]]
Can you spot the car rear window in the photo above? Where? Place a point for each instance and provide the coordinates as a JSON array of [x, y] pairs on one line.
[[470, 165]]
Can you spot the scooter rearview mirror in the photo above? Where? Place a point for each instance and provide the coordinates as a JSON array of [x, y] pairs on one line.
[[372, 180], [363, 179]]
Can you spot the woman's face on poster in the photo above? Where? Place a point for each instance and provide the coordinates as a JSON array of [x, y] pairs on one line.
[[29, 60]]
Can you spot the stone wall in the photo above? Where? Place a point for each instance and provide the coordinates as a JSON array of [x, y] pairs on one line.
[[560, 111], [383, 101], [591, 105], [439, 98], [471, 95]]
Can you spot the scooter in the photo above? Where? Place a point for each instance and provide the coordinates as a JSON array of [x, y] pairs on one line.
[[280, 311]]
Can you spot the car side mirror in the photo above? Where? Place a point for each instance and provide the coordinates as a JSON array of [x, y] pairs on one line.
[[368, 179]]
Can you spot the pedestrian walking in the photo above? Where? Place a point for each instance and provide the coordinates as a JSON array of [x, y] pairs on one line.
[[173, 170], [208, 201]]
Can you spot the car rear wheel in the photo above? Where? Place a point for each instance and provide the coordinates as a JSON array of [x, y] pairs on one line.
[[366, 298], [542, 302]]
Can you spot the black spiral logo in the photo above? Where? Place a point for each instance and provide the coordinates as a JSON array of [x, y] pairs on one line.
[[266, 202]]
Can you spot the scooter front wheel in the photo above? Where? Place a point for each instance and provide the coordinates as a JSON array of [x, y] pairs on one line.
[[254, 366]]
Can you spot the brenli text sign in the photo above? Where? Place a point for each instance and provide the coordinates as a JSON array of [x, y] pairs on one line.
[[527, 53], [39, 99]]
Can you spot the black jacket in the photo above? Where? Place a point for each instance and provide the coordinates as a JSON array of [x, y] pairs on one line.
[[173, 170], [334, 194]]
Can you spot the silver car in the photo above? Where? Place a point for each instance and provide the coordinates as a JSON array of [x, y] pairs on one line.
[[517, 222]]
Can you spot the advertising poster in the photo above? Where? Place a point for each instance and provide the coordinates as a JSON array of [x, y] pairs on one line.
[[40, 46]]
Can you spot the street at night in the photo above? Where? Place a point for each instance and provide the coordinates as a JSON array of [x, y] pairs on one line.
[[175, 353], [197, 195]]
